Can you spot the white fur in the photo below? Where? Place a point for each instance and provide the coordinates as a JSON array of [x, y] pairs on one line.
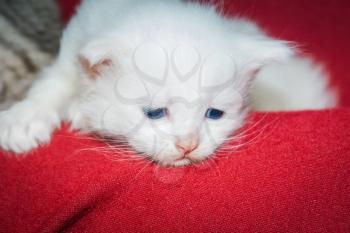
[[294, 85], [182, 56]]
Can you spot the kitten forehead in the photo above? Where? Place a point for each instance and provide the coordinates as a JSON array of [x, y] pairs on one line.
[[185, 61], [164, 74]]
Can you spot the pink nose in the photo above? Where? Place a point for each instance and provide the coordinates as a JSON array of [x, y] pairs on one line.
[[187, 144]]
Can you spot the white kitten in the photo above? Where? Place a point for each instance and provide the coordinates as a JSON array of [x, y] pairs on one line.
[[172, 78]]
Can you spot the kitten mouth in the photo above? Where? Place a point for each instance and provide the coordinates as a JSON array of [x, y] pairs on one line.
[[184, 161], [174, 163], [181, 162]]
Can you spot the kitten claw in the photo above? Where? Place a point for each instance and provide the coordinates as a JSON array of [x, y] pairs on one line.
[[26, 126]]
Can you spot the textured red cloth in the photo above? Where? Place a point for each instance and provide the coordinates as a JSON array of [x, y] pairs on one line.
[[293, 175]]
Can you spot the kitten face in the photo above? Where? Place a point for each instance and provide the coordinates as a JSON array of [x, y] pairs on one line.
[[175, 98], [173, 119], [187, 131]]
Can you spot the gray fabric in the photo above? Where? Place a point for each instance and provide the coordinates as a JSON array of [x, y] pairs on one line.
[[29, 39], [36, 19]]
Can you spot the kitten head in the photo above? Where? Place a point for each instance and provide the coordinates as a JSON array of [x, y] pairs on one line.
[[177, 95]]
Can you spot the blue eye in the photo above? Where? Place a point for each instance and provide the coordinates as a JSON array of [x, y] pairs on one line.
[[155, 114], [214, 114]]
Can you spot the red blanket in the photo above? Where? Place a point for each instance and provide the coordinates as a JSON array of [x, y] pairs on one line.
[[291, 175]]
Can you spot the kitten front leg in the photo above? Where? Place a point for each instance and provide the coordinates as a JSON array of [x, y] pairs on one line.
[[31, 122]]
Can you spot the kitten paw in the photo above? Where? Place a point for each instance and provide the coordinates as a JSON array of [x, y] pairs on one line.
[[25, 126]]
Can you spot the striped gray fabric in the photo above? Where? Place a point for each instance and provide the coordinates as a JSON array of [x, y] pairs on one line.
[[29, 37]]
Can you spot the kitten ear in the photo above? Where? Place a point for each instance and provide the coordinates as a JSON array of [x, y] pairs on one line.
[[264, 51], [94, 70], [256, 53], [94, 59]]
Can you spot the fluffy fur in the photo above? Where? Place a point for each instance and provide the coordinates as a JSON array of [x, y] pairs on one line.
[[118, 57]]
